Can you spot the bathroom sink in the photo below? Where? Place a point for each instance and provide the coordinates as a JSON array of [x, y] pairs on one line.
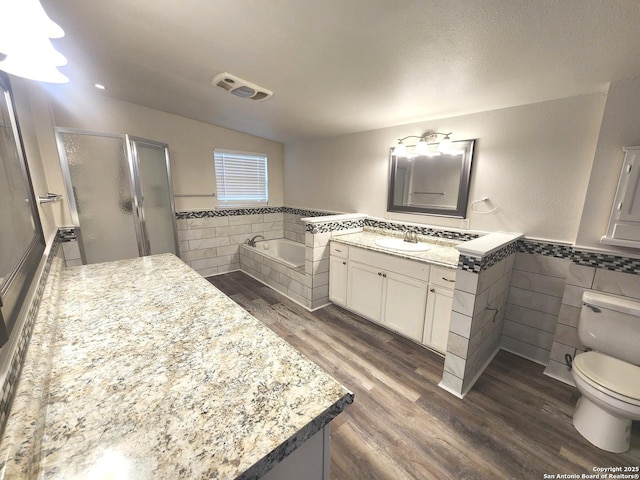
[[400, 244]]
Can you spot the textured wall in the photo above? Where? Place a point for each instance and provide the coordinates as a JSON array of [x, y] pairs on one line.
[[532, 161], [191, 144], [620, 128]]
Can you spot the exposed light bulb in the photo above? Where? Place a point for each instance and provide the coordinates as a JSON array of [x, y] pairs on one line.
[[400, 150], [421, 148], [446, 145]]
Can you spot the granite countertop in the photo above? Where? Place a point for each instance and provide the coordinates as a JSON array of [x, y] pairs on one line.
[[152, 372], [442, 251]]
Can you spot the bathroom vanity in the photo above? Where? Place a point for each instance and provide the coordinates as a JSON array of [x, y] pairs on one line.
[[148, 371], [409, 292]]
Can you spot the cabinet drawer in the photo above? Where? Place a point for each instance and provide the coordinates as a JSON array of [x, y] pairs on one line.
[[339, 250], [443, 277], [389, 263]]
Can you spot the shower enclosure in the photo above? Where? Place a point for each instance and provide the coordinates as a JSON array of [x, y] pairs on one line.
[[120, 194]]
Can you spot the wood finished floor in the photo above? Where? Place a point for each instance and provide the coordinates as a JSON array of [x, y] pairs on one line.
[[514, 424]]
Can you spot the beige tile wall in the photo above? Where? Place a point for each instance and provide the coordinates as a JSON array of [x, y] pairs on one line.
[[477, 318], [210, 245], [294, 283], [294, 227], [533, 304]]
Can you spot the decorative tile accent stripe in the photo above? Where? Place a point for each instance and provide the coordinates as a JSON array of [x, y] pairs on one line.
[[545, 248], [428, 231], [607, 262], [469, 264], [334, 226], [307, 213], [227, 212], [477, 265], [495, 257], [17, 359], [67, 234], [232, 212]]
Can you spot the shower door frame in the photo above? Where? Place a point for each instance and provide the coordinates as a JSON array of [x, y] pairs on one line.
[[135, 187], [134, 164]]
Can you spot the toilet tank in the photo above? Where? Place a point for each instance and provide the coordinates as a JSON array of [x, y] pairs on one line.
[[611, 325]]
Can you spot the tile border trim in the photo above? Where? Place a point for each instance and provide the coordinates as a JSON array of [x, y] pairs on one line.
[[234, 212], [421, 230], [335, 226], [477, 265], [605, 261]]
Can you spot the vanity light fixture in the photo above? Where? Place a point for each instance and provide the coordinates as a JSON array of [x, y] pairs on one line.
[[422, 147]]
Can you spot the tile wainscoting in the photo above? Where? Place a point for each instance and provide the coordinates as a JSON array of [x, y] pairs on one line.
[[209, 240], [477, 317], [544, 299], [535, 293]]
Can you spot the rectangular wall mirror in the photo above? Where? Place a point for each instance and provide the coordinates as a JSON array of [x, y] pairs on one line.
[[435, 184]]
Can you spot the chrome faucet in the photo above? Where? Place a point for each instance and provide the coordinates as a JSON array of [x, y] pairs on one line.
[[252, 241], [410, 236]]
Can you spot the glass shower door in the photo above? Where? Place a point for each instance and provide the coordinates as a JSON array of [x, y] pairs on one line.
[[151, 162], [120, 196], [99, 189]]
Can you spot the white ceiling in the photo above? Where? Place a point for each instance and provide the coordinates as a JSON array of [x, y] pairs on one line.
[[344, 66]]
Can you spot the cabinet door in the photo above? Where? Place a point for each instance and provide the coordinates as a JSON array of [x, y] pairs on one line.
[[630, 205], [404, 308], [438, 316], [338, 280], [364, 294]]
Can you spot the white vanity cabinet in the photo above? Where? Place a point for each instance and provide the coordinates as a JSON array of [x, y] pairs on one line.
[[389, 290], [439, 304], [408, 296], [404, 305], [339, 255], [365, 289]]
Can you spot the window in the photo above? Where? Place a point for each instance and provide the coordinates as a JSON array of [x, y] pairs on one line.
[[241, 178]]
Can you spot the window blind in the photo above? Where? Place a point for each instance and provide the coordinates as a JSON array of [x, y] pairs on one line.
[[241, 177]]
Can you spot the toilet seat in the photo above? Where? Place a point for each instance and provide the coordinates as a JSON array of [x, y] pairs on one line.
[[614, 377]]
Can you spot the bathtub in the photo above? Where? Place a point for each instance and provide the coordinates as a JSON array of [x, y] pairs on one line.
[[282, 250]]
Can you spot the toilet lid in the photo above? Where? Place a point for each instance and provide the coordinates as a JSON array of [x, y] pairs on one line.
[[613, 374]]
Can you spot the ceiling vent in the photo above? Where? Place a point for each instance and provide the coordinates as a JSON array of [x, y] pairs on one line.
[[240, 87]]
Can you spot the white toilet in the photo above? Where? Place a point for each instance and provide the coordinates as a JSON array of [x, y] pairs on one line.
[[608, 376]]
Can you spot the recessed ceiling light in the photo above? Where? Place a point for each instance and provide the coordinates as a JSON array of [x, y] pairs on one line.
[[99, 86]]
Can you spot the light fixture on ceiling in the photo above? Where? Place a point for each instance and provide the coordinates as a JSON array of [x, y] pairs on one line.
[[240, 87], [423, 147], [25, 33], [100, 86]]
